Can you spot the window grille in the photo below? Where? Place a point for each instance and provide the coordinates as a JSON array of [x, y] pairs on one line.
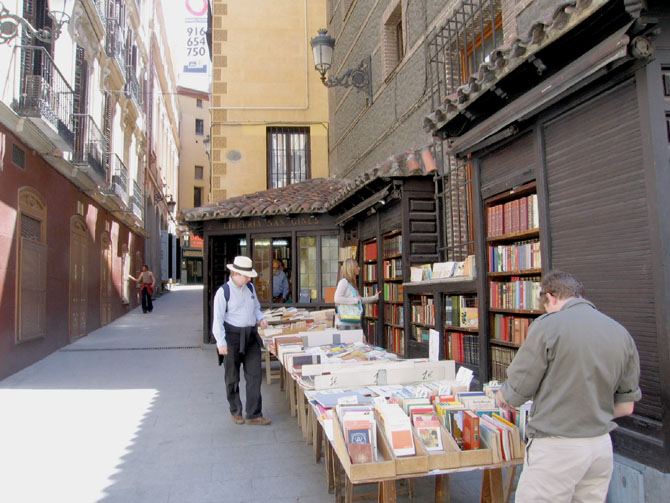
[[18, 157], [455, 52], [288, 151], [461, 44], [31, 228]]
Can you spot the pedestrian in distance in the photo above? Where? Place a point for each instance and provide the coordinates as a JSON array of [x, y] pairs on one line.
[[581, 369], [147, 282], [346, 296], [279, 282], [237, 313]]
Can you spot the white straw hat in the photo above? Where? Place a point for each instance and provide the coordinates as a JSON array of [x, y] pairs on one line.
[[243, 265]]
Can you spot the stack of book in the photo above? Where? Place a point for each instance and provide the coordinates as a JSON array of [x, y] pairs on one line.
[[360, 434], [397, 429]]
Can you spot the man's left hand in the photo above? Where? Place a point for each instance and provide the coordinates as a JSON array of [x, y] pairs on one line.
[[501, 402], [263, 324]]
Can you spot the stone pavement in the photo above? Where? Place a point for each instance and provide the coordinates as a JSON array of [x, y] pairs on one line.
[[136, 413]]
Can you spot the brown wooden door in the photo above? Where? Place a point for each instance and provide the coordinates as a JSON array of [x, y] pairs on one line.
[[78, 278], [106, 282]]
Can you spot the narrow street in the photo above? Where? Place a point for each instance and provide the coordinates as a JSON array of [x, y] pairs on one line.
[[136, 413]]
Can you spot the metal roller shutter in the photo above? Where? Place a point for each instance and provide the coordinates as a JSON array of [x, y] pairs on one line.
[[599, 220]]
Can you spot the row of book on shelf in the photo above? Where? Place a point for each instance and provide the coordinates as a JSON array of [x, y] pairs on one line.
[[461, 311], [518, 293], [513, 216], [510, 328], [517, 257], [465, 269], [462, 347]]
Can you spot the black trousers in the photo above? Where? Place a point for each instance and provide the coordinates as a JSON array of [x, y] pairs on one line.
[[251, 359], [147, 304]]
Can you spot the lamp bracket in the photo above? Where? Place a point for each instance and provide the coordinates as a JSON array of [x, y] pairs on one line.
[[9, 26], [360, 78]]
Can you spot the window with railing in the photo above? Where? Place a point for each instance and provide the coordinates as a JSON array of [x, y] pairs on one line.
[[199, 127], [455, 51], [288, 156]]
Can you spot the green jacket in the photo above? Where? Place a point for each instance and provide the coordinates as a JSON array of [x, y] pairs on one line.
[[574, 365]]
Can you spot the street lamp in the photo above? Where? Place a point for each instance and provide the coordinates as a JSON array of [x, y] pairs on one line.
[[171, 203], [360, 78], [9, 25]]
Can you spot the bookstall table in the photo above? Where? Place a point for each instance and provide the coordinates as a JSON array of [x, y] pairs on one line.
[[496, 487]]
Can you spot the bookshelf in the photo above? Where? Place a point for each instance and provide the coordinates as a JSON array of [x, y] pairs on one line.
[[461, 329], [513, 272], [370, 280], [394, 311]]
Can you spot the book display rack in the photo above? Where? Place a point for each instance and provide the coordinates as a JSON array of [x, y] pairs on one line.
[[513, 272], [370, 280], [461, 329], [394, 319]]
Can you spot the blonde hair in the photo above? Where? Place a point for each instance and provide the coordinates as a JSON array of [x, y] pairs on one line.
[[348, 271]]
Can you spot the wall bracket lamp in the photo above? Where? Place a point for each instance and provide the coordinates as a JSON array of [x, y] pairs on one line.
[[10, 23], [171, 203], [360, 77]]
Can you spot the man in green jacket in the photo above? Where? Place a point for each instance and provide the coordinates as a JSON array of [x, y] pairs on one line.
[[581, 369]]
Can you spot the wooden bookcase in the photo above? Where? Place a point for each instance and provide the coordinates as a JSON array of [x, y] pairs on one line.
[[392, 276], [370, 281], [419, 296], [513, 270]]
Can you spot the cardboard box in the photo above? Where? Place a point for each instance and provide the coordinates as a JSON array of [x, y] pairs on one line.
[[404, 465], [384, 467], [449, 457], [481, 456]]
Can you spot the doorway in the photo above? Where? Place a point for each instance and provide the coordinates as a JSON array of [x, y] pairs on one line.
[[78, 277]]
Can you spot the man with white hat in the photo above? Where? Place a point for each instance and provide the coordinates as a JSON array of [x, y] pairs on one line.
[[236, 314]]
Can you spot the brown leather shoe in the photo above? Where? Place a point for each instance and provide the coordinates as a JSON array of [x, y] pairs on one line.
[[238, 419], [259, 420]]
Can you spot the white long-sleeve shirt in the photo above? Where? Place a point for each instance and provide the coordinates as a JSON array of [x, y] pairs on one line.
[[244, 310], [345, 295]]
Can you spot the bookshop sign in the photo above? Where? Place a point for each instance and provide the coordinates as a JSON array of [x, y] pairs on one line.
[[261, 223]]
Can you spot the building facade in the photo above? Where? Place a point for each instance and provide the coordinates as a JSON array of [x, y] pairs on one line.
[[194, 173], [74, 141], [269, 115], [561, 106]]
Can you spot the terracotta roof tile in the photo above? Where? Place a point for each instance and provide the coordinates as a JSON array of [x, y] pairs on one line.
[[505, 59], [318, 195]]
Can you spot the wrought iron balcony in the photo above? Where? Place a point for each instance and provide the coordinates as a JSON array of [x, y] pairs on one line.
[[137, 201], [115, 43], [119, 183], [45, 96], [133, 87], [90, 146], [100, 7]]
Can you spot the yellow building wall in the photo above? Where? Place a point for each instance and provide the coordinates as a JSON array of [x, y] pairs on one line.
[[192, 147], [263, 76]]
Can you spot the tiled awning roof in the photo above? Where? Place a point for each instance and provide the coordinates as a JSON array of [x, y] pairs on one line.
[[503, 60], [318, 195]]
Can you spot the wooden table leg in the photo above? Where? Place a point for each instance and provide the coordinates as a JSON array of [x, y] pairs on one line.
[[268, 370], [508, 484], [387, 492], [311, 419], [330, 469], [348, 490], [291, 397], [318, 440], [337, 479], [442, 489], [410, 488], [492, 487], [282, 379]]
